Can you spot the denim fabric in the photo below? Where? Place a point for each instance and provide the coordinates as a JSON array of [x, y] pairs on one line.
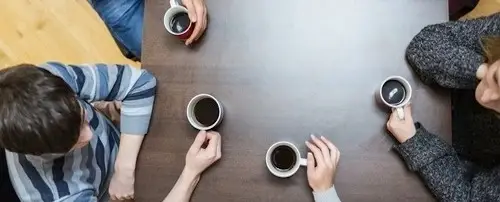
[[124, 18]]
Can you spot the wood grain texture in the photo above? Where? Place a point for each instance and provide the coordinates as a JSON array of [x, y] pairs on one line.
[[36, 31], [284, 69]]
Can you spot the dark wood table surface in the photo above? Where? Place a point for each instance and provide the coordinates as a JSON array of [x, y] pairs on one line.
[[285, 69]]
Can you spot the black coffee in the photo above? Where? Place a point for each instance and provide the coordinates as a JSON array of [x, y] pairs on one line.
[[393, 92], [206, 111], [180, 22], [283, 157]]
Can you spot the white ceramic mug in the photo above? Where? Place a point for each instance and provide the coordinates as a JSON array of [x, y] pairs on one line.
[[399, 106], [192, 118], [289, 172], [176, 8]]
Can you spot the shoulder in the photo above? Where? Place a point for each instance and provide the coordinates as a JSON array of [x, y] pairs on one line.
[[42, 178]]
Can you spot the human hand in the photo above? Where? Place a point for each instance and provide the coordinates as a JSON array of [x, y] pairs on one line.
[[197, 158], [197, 12], [326, 156], [121, 186], [402, 129]]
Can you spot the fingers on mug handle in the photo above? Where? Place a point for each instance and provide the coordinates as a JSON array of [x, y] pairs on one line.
[[317, 153], [213, 142], [198, 141], [400, 113]]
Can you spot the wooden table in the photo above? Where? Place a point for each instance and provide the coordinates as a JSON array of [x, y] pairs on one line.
[[285, 69]]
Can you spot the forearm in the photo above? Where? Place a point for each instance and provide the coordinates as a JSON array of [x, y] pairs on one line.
[[183, 188], [128, 152], [449, 54], [438, 164]]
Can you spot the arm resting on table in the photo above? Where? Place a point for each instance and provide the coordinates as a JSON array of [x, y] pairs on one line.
[[446, 175], [183, 188], [450, 53]]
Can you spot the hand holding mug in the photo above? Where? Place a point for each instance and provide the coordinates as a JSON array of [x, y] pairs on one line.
[[322, 165], [402, 129], [197, 12], [197, 158]]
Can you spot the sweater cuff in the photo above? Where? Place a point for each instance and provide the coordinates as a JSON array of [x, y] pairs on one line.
[[422, 149], [329, 195]]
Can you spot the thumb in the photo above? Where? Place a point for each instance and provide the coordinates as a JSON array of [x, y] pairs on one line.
[[198, 141], [310, 164]]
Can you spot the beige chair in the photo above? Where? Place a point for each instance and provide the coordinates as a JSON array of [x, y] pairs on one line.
[[70, 31]]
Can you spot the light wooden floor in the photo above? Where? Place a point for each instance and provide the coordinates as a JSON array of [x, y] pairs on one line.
[[36, 31]]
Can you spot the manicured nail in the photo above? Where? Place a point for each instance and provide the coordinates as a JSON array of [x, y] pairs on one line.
[[307, 142], [313, 137], [322, 137]]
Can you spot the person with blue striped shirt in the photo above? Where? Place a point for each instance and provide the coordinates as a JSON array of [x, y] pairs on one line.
[[58, 146]]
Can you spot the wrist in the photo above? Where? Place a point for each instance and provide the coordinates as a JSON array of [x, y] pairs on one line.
[[189, 175], [404, 138], [124, 167], [322, 188]]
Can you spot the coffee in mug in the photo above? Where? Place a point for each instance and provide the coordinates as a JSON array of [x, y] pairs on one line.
[[395, 92], [176, 21], [180, 22], [204, 112], [283, 159]]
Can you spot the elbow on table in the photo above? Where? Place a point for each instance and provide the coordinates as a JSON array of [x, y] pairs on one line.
[[423, 49], [152, 81]]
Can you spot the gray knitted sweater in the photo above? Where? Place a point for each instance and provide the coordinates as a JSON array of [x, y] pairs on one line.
[[448, 55]]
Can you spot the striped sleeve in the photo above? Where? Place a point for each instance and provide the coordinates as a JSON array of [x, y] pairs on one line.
[[135, 88], [83, 196]]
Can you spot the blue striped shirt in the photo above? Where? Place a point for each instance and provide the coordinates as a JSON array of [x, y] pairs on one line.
[[84, 174]]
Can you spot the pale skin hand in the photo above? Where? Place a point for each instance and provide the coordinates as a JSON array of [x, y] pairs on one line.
[[122, 182], [197, 160], [326, 156], [404, 129], [197, 12]]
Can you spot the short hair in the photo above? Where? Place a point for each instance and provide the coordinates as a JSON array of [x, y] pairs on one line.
[[39, 112]]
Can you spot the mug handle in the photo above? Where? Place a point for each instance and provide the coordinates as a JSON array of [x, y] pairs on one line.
[[303, 161], [401, 113], [175, 3]]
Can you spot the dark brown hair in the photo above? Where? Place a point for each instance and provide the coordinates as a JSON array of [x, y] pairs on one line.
[[39, 112], [491, 48]]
